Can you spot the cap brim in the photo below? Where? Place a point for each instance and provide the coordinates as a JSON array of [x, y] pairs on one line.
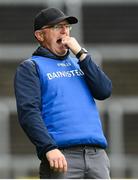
[[70, 19]]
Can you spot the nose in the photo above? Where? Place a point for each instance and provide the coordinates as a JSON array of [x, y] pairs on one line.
[[64, 30]]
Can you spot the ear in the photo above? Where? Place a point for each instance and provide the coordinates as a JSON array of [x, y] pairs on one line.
[[39, 35]]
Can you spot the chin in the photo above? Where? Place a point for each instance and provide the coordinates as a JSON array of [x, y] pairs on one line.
[[62, 53]]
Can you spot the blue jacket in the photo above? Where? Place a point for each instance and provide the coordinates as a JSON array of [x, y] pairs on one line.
[[29, 97]]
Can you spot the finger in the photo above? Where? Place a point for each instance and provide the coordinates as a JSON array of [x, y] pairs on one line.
[[56, 164], [65, 165], [51, 162], [61, 165]]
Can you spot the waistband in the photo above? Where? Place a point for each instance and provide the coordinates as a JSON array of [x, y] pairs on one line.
[[81, 146]]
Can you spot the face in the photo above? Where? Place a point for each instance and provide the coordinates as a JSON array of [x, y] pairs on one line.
[[51, 37]]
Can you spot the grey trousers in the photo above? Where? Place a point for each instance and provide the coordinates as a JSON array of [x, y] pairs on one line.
[[84, 162]]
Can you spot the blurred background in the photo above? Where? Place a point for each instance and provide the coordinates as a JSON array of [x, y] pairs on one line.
[[109, 30]]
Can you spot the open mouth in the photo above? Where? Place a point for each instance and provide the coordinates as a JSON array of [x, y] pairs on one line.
[[59, 41]]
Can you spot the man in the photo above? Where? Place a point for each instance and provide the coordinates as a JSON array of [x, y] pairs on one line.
[[55, 101]]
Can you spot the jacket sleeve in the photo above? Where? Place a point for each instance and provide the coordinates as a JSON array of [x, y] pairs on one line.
[[99, 84], [28, 100]]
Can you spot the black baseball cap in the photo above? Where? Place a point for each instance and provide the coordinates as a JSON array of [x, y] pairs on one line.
[[51, 16]]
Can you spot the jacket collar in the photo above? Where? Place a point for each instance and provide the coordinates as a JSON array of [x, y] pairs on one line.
[[41, 51]]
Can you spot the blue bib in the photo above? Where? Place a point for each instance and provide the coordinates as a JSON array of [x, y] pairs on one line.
[[68, 108]]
